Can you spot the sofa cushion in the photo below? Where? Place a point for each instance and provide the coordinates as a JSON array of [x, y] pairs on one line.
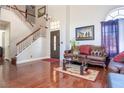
[[96, 58], [122, 70], [82, 56], [115, 66], [85, 49], [115, 80], [119, 57], [98, 51]]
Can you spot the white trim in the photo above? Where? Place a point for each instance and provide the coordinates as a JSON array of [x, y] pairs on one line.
[[113, 10], [7, 59], [30, 60]]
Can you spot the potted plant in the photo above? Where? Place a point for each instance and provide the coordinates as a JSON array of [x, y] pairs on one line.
[[74, 47]]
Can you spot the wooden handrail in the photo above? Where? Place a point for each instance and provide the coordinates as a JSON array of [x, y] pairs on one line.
[[21, 12], [28, 36], [15, 8], [25, 42]]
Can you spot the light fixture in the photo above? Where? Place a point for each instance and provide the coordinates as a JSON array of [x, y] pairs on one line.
[[46, 17], [46, 27]]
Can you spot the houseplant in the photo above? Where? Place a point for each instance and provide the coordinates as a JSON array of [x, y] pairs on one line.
[[74, 46]]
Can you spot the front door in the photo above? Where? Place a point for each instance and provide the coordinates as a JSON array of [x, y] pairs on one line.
[[55, 44]]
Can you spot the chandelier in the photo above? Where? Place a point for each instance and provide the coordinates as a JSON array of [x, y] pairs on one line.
[[46, 17]]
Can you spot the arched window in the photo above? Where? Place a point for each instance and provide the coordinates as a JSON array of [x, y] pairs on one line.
[[110, 31], [115, 14]]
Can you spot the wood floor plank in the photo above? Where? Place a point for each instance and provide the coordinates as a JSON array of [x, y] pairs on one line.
[[39, 74]]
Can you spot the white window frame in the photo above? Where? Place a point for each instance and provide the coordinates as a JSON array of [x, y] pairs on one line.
[[113, 17]]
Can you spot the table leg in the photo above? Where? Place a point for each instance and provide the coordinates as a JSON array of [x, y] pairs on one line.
[[64, 65], [54, 75], [81, 70]]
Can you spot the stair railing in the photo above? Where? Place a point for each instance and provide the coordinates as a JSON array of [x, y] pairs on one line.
[[24, 13], [21, 12], [28, 40]]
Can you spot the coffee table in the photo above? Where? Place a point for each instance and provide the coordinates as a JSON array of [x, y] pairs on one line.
[[67, 61]]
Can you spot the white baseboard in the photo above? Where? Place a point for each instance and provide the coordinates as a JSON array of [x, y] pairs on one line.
[[9, 59], [30, 60]]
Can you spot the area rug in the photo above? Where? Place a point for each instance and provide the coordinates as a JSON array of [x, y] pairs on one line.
[[51, 60], [91, 76]]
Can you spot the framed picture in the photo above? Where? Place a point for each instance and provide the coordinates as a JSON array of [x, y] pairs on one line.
[[41, 11], [85, 33], [30, 13]]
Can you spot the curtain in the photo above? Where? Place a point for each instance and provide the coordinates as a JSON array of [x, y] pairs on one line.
[[110, 37]]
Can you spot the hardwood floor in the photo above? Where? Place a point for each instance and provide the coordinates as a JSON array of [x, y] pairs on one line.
[[40, 75]]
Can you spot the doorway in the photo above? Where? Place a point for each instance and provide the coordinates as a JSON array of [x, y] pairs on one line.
[[5, 39], [55, 44]]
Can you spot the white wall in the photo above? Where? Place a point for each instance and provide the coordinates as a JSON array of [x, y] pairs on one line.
[[1, 38], [88, 15], [4, 39], [19, 29], [121, 35], [36, 50], [2, 27], [58, 12], [7, 42], [74, 16], [70, 17]]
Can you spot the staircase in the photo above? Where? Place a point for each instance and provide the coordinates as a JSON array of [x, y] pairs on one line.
[[29, 39], [20, 13]]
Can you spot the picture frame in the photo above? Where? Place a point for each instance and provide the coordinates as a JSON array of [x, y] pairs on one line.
[[41, 11], [85, 33], [30, 13]]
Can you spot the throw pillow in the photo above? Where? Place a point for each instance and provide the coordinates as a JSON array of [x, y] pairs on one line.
[[119, 57], [85, 49]]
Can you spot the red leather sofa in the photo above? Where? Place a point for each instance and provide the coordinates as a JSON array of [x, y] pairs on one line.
[[91, 54]]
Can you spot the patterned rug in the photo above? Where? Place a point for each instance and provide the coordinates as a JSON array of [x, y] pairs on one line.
[[51, 60], [92, 74]]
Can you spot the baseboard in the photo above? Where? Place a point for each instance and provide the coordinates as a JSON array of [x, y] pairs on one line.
[[30, 60], [8, 59]]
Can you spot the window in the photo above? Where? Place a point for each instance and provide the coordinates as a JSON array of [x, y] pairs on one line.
[[115, 14], [55, 25], [110, 31]]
